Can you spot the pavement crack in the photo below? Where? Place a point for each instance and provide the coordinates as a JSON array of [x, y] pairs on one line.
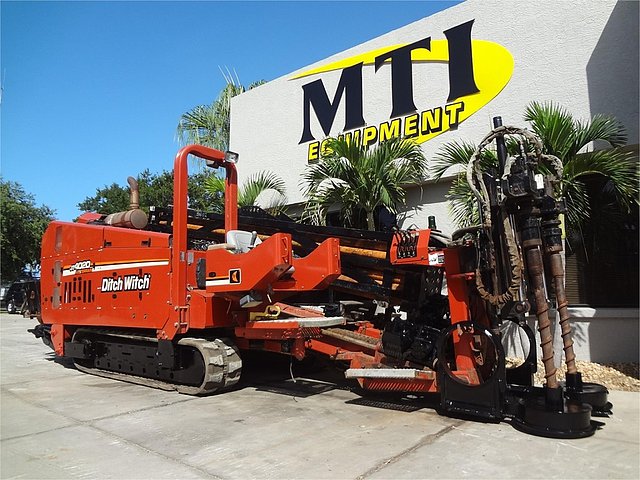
[[426, 440], [165, 455], [40, 432], [91, 424], [138, 410], [90, 421]]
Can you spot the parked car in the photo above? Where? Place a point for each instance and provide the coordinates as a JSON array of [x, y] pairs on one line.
[[4, 289], [23, 297]]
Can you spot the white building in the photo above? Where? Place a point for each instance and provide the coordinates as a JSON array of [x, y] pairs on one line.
[[469, 63]]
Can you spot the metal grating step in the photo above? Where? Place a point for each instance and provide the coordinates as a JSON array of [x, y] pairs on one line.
[[400, 373], [305, 322]]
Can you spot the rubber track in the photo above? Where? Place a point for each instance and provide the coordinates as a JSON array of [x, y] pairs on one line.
[[223, 365]]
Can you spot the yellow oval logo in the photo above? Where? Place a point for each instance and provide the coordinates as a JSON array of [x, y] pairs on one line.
[[493, 66]]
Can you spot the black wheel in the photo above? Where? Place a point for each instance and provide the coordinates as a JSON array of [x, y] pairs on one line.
[[11, 307]]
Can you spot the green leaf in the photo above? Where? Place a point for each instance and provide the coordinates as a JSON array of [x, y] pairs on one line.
[[554, 125], [357, 179], [209, 125], [259, 183], [564, 137]]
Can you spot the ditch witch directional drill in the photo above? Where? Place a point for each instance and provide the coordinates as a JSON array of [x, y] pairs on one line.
[[173, 300]]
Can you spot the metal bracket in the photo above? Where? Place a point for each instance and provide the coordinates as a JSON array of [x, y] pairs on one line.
[[272, 312]]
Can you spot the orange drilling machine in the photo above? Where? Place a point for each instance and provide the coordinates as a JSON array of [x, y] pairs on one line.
[[171, 300]]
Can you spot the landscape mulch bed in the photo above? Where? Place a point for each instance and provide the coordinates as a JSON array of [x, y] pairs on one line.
[[614, 376]]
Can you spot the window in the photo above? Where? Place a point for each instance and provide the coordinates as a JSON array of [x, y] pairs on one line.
[[602, 258]]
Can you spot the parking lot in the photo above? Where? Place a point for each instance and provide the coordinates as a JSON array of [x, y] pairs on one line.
[[59, 423]]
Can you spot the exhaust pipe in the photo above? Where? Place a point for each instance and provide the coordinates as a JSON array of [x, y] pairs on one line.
[[134, 217], [134, 196]]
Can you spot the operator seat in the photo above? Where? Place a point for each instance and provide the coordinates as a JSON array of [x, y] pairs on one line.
[[238, 241], [242, 241]]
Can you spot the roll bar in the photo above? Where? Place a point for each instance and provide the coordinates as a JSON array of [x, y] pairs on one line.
[[214, 158]]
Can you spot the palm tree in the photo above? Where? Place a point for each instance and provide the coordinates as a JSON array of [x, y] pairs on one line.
[[462, 202], [250, 191], [209, 125], [359, 178], [564, 137]]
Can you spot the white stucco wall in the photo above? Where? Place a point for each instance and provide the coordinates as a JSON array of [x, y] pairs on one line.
[[601, 335], [582, 54]]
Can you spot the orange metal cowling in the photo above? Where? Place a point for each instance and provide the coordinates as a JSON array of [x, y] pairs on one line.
[[315, 271], [104, 276], [254, 270]]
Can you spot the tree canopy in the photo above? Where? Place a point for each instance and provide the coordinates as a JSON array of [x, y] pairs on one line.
[[155, 189], [22, 225]]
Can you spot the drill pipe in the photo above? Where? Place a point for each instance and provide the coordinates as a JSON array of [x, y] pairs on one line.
[[536, 276], [555, 265]]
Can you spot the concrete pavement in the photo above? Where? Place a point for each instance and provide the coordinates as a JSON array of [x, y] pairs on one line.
[[59, 423]]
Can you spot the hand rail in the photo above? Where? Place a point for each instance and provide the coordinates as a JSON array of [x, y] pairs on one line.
[[180, 193]]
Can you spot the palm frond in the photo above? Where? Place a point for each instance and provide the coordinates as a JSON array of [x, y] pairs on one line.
[[449, 155], [554, 125], [257, 83], [250, 191], [214, 185], [358, 178], [617, 166], [258, 183], [198, 126], [462, 203], [601, 127], [209, 125], [577, 199]]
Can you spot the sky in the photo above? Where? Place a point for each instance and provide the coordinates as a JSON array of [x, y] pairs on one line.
[[92, 92]]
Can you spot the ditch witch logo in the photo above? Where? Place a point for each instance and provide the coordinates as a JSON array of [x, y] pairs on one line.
[[126, 283], [478, 71]]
